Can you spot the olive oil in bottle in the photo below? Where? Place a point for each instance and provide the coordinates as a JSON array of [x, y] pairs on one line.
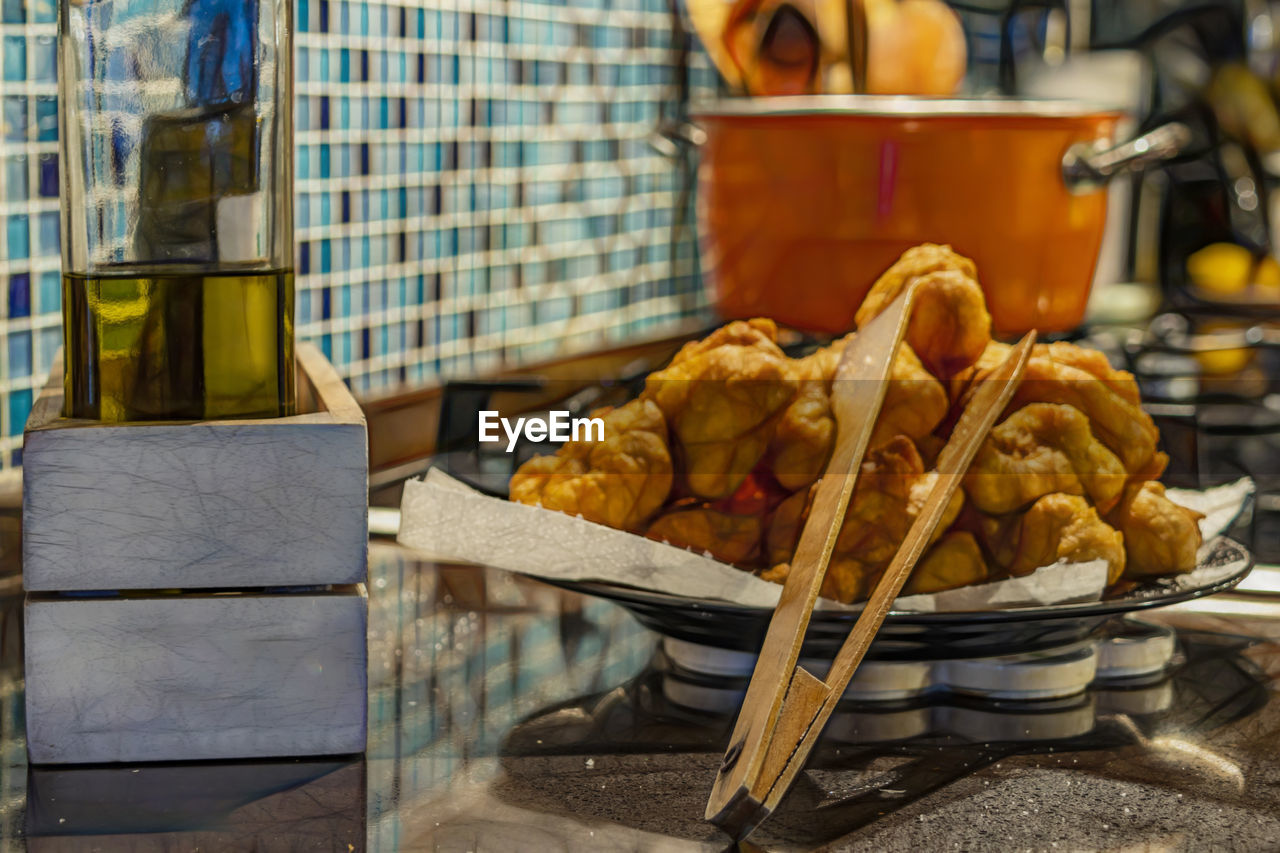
[[177, 209], [158, 345]]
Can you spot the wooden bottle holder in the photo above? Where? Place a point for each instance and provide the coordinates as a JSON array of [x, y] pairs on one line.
[[195, 589], [211, 504]]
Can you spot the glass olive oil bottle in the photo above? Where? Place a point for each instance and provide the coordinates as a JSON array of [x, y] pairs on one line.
[[178, 346], [177, 186]]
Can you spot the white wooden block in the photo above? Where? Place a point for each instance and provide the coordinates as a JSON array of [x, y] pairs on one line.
[[235, 503], [195, 676]]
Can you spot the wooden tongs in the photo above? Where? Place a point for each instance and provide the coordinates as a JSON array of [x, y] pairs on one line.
[[786, 706]]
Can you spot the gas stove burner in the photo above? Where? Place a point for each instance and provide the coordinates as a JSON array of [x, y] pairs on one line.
[[1125, 652], [1211, 680], [1035, 696]]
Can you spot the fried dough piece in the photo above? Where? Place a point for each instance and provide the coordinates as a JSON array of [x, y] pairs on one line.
[[950, 326], [1095, 363], [920, 490], [759, 494], [1040, 449], [1057, 527], [1160, 537], [913, 263], [721, 397], [727, 537], [954, 561], [878, 508], [620, 481], [930, 447], [992, 357], [1062, 373], [783, 530], [891, 490], [915, 403], [806, 431], [777, 574], [1153, 468]]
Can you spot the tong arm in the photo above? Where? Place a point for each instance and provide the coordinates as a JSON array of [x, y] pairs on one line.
[[810, 701]]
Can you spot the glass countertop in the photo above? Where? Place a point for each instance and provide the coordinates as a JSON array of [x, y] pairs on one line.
[[505, 714]]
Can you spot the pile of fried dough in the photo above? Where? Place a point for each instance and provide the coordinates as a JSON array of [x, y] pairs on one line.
[[722, 450]]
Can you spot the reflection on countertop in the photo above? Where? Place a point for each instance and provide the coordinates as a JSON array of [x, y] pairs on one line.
[[505, 714]]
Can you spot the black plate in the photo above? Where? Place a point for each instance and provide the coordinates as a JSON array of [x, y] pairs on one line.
[[907, 635]]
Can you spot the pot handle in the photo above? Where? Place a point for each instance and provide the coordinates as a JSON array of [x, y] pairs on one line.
[[670, 138], [1087, 167]]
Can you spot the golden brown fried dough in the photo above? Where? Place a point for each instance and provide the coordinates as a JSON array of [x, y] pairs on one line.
[[1040, 449], [721, 397], [913, 263], [851, 579], [930, 447], [726, 537], [806, 431], [1059, 527], [950, 326], [1160, 537], [889, 495], [920, 493], [1062, 372], [915, 402], [1094, 363], [620, 481], [1056, 374], [992, 357], [881, 509], [955, 560], [783, 531], [777, 574], [720, 452]]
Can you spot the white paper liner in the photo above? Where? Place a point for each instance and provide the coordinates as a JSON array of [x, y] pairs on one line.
[[446, 520], [1055, 584]]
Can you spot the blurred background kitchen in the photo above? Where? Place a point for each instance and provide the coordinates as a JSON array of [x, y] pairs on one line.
[[484, 188]]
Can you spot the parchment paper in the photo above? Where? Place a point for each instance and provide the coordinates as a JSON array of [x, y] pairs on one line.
[[445, 520]]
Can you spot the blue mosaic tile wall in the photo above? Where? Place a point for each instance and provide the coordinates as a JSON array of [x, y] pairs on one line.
[[473, 187]]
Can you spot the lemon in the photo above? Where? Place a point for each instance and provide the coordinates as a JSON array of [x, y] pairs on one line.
[[1221, 268], [1223, 361], [1267, 276]]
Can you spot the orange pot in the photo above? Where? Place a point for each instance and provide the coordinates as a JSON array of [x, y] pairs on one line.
[[803, 201]]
